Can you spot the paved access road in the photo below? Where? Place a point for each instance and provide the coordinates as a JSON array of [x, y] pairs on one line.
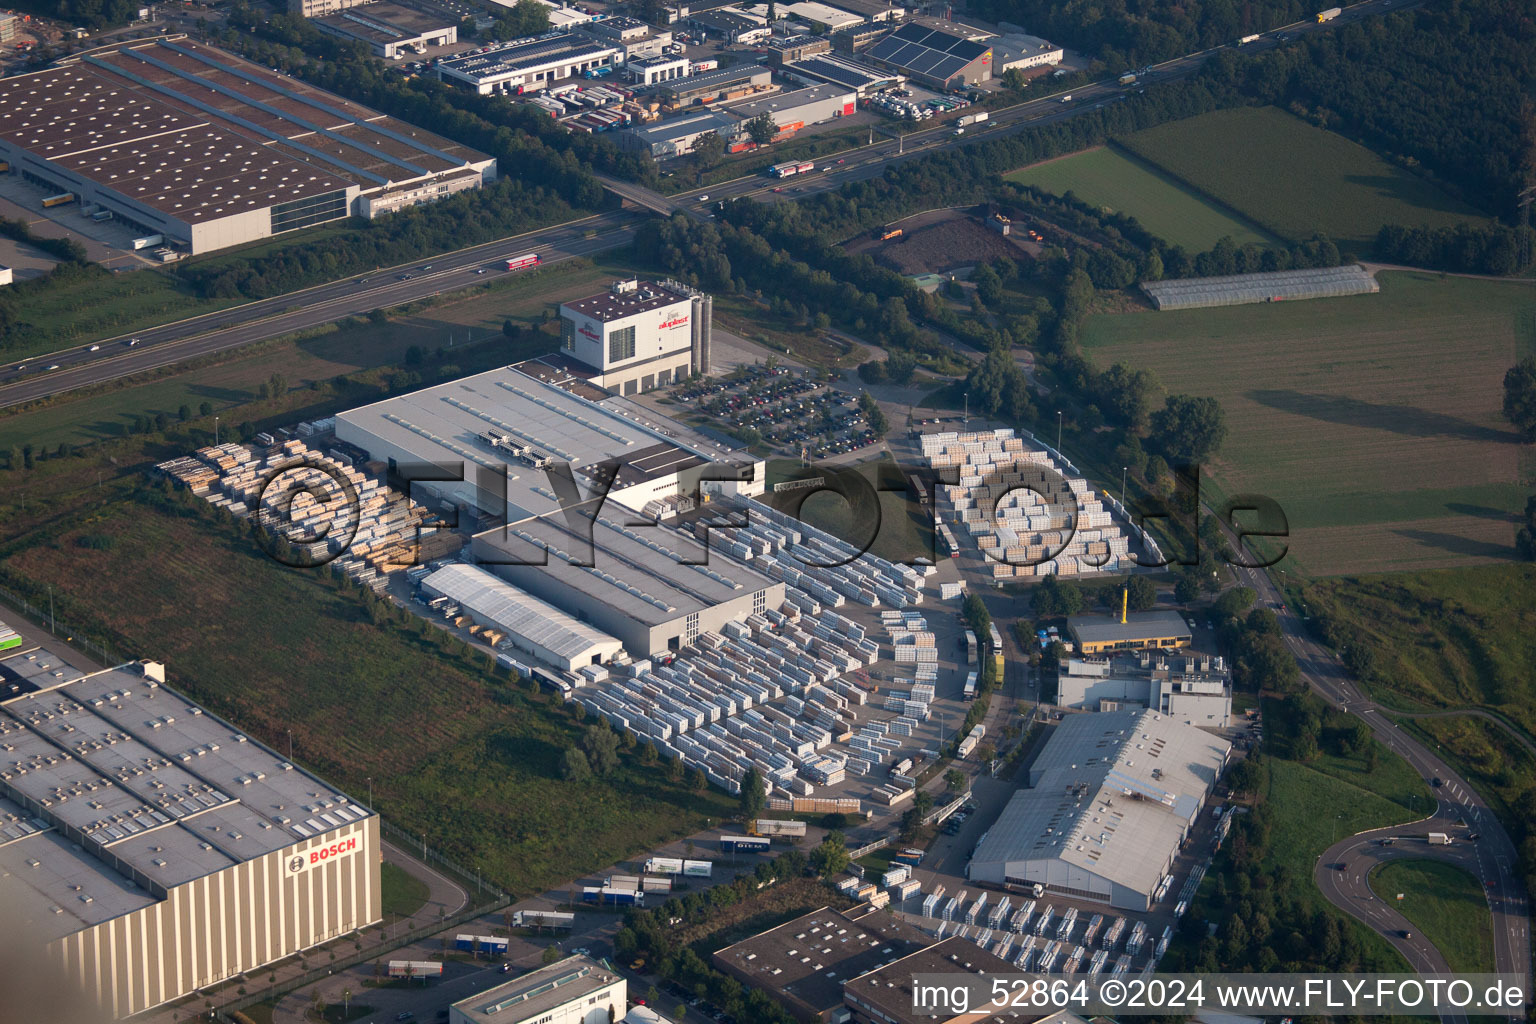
[[256, 321], [1491, 857]]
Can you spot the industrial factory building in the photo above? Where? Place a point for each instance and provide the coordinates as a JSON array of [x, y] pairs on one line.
[[526, 65], [1137, 631], [886, 994], [154, 849], [804, 963], [390, 29], [533, 626], [712, 86], [639, 335], [1192, 688], [509, 434], [574, 990], [849, 72], [1111, 798], [792, 111], [1020, 52], [633, 37], [676, 136], [653, 587], [934, 57], [201, 150]]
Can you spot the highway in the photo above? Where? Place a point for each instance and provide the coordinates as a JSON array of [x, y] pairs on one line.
[[246, 324], [80, 366], [1491, 857]]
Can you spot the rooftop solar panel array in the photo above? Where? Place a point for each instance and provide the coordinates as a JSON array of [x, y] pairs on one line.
[[927, 51]]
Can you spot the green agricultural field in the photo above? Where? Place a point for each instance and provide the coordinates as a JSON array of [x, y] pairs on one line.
[[1373, 420], [1446, 904], [454, 751], [1163, 205], [1294, 179]]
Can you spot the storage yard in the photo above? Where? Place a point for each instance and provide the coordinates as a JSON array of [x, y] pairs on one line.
[[1027, 511], [329, 510], [795, 688]]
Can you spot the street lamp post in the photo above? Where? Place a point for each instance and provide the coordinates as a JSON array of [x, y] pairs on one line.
[[1058, 431], [1123, 471], [215, 430]]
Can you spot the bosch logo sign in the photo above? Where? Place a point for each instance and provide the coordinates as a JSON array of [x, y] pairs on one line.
[[674, 322], [315, 857], [334, 850]]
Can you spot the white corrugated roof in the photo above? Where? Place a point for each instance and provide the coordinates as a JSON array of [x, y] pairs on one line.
[[537, 623], [1114, 792]]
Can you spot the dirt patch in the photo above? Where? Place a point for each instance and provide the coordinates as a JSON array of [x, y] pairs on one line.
[[939, 242]]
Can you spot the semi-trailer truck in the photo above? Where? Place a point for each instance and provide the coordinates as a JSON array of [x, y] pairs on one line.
[[1129, 78], [1251, 38], [1329, 14], [970, 119]]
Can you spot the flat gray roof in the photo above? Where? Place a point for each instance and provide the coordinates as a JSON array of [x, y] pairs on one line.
[[1112, 793], [536, 622], [444, 424], [1138, 626], [642, 569], [52, 889], [607, 306], [808, 959], [788, 100], [145, 777], [537, 992], [889, 988], [526, 55], [385, 22], [681, 127]]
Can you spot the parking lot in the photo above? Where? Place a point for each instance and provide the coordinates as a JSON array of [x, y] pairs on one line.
[[789, 409]]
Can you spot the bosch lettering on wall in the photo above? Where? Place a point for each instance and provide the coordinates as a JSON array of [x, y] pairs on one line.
[[315, 856]]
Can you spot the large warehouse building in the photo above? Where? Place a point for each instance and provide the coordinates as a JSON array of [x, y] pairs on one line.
[[527, 64], [1137, 631], [575, 990], [803, 963], [153, 848], [533, 626], [792, 111], [1188, 687], [654, 587], [639, 335], [207, 150], [1111, 798], [509, 423], [934, 57], [390, 29]]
